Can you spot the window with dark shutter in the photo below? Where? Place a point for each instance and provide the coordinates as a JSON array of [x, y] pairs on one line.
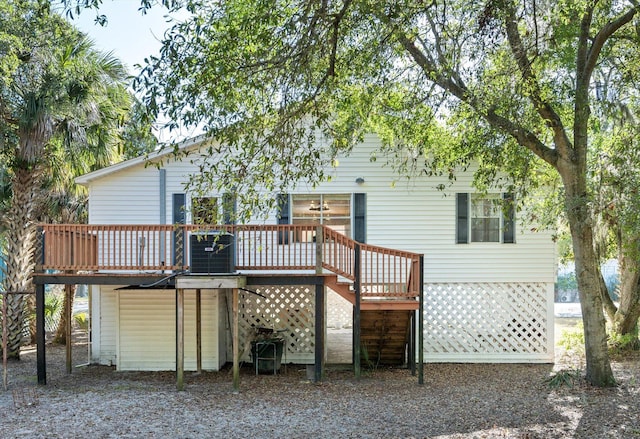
[[283, 216], [485, 218], [204, 210], [462, 218], [332, 210], [485, 212], [508, 223], [229, 208], [359, 217]]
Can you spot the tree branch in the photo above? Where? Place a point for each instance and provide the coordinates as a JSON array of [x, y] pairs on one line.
[[543, 108], [603, 35], [523, 136], [337, 18]]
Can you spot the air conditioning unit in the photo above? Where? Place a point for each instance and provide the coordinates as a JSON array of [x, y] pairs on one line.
[[212, 253]]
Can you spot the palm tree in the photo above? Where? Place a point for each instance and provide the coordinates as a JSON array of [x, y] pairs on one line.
[[61, 103]]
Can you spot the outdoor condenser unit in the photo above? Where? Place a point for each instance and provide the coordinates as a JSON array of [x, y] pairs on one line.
[[212, 253]]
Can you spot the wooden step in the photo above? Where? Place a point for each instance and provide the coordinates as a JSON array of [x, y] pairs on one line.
[[389, 305]]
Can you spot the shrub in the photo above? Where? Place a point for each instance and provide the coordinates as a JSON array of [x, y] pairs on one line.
[[564, 377], [618, 344], [82, 320], [572, 339]]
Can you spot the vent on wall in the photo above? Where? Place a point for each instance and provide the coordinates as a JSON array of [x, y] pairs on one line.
[[212, 253]]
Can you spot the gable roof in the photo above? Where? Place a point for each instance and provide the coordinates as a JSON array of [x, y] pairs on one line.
[[186, 145]]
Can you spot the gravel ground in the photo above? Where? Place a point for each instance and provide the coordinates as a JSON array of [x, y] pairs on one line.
[[456, 401]]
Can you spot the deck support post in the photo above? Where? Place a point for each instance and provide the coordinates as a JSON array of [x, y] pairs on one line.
[[411, 349], [320, 325], [40, 339], [199, 330], [236, 341], [180, 339], [356, 313], [421, 325], [67, 329]]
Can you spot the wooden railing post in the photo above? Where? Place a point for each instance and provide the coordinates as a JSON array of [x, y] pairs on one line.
[[179, 246], [356, 312], [319, 245]]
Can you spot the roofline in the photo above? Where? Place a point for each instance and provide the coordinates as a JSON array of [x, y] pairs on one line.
[[86, 179]]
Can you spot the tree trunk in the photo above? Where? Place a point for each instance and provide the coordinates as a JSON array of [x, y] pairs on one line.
[[626, 317], [61, 330], [598, 371], [610, 308], [20, 238]]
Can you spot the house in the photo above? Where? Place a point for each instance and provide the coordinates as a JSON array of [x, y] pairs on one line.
[[487, 283]]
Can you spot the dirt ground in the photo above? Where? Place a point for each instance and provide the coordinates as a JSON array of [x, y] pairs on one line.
[[456, 401]]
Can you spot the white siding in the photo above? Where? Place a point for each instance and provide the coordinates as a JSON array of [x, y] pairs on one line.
[[147, 330], [130, 196], [409, 215], [104, 323], [414, 216]]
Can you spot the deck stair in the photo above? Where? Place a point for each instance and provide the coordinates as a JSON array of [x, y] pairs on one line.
[[384, 337], [385, 325]]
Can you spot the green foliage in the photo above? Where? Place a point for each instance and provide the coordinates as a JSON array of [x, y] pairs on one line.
[[564, 377], [366, 361], [572, 340], [82, 320], [137, 136], [53, 304], [618, 343], [53, 308], [59, 95]]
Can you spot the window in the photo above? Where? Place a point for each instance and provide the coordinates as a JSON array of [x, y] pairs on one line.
[[332, 210], [484, 218], [204, 210]]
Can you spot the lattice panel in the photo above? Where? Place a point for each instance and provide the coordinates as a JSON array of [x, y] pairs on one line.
[[339, 311], [289, 310], [486, 319]]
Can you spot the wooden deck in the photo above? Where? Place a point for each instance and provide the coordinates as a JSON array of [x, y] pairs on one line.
[[377, 277]]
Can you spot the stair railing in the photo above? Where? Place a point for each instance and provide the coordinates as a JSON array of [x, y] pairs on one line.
[[383, 272]]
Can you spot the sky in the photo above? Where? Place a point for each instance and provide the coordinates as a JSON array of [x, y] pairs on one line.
[[131, 36]]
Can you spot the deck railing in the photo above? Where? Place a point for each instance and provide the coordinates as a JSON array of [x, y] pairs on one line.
[[383, 272]]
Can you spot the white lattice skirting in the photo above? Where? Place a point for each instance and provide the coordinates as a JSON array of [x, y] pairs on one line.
[[339, 311], [289, 311], [488, 322]]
